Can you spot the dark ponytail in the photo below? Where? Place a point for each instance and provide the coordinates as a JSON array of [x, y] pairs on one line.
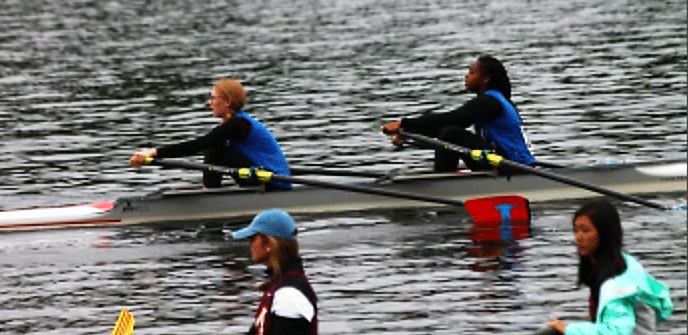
[[499, 80]]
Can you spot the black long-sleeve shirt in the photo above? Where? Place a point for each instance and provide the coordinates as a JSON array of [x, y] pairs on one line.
[[481, 108], [233, 129]]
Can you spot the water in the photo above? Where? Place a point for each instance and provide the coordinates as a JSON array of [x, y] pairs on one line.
[[84, 83]]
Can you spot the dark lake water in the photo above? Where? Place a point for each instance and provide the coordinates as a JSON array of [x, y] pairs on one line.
[[84, 83]]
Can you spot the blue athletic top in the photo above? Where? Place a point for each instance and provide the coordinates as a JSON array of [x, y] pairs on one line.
[[505, 131], [262, 148]]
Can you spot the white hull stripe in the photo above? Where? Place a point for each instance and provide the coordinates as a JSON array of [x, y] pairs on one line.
[[79, 214], [676, 170]]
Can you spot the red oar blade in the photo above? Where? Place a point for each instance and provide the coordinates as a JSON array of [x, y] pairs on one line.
[[501, 218]]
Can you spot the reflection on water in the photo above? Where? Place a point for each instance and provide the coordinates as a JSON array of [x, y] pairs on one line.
[[83, 83], [384, 273], [494, 255]]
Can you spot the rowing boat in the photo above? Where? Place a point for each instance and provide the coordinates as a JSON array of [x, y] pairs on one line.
[[185, 204]]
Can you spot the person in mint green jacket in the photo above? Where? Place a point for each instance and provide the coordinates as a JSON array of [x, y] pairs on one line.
[[624, 298]]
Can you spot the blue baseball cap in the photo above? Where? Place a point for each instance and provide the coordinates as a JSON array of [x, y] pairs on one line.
[[272, 222]]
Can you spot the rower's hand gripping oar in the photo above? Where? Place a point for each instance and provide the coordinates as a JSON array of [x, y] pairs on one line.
[[501, 207], [497, 161]]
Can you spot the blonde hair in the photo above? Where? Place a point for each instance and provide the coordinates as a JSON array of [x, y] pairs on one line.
[[232, 90]]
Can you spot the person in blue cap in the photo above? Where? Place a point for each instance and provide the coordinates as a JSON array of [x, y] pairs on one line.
[[289, 303]]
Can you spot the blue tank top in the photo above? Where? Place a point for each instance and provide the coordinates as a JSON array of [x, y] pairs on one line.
[[262, 149], [505, 131]]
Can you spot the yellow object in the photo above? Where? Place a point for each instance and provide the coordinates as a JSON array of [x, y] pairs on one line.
[[124, 324], [262, 175], [493, 159], [244, 173]]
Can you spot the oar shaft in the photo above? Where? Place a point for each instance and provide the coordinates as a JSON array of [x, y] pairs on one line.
[[267, 176], [437, 144], [584, 185], [369, 190], [174, 163], [336, 172], [497, 160]]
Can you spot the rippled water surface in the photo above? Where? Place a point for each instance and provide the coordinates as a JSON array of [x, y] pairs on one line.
[[83, 83]]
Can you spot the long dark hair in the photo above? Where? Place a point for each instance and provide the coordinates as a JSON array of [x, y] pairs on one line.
[[608, 259], [494, 69]]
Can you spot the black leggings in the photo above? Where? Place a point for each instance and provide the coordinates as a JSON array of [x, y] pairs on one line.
[[447, 161], [225, 156]]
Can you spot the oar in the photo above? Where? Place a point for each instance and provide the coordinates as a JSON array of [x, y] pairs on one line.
[[520, 205], [340, 173], [124, 324], [497, 161], [267, 176]]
